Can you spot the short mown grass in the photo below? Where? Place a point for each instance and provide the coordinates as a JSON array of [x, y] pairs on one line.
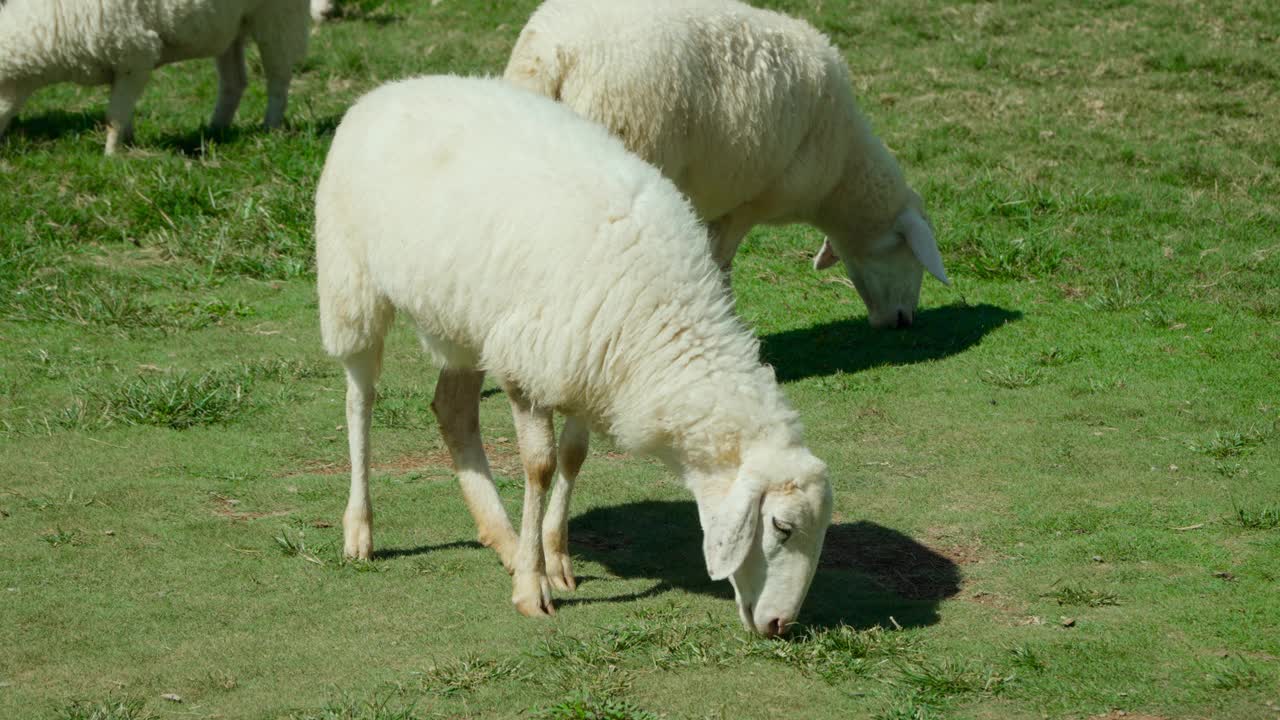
[[1056, 495]]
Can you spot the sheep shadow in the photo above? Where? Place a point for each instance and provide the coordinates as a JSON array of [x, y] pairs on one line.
[[56, 125], [194, 143], [868, 575], [852, 345], [370, 13], [391, 553]]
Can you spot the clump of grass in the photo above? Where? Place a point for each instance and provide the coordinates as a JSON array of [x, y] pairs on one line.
[[1257, 517], [192, 315], [1235, 675], [1116, 296], [293, 544], [1074, 595], [112, 709], [1229, 469], [1227, 445], [278, 369], [401, 409], [1056, 357], [1012, 377], [936, 681], [1026, 658], [467, 674], [836, 653], [179, 402], [583, 706], [59, 537], [1105, 384]]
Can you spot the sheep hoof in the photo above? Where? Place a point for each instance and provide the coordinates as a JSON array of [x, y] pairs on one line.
[[532, 595], [357, 530], [560, 570]]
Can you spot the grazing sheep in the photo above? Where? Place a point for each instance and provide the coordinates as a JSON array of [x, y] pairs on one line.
[[524, 241], [119, 42], [751, 114]]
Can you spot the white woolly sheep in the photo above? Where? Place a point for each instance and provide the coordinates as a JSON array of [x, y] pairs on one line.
[[525, 242], [119, 42], [751, 114]]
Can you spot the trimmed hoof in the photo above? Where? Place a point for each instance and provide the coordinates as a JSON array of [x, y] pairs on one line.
[[357, 532], [531, 595]]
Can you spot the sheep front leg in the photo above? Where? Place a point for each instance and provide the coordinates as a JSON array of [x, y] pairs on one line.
[[126, 88], [457, 408], [574, 439], [357, 522], [232, 80], [531, 592]]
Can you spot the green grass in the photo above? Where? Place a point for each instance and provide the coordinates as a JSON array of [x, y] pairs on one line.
[[1083, 426]]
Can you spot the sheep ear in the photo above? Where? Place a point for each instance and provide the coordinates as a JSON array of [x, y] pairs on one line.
[[732, 529], [826, 257], [920, 239]]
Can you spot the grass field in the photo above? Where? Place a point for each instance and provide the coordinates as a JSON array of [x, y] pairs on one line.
[[1058, 496]]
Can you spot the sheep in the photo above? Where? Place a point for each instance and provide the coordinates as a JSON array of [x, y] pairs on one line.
[[119, 42], [525, 242], [321, 9], [751, 114]]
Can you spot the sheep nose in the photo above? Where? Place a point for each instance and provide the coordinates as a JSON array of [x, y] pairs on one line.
[[904, 319], [776, 627]]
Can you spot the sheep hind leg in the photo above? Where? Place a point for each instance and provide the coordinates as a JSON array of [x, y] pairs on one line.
[[126, 88], [282, 42], [574, 439], [232, 80], [535, 432], [457, 408], [357, 522]]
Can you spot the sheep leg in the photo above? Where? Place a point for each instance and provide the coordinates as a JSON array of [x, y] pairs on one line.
[[725, 235], [357, 522], [531, 592], [281, 44], [457, 408], [555, 526], [232, 80], [126, 88]]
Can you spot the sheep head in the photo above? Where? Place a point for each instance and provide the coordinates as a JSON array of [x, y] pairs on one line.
[[765, 533], [887, 266]]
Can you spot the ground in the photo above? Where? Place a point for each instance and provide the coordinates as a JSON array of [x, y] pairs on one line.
[[1057, 496]]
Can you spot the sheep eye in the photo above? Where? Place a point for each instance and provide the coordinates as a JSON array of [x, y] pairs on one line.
[[783, 528]]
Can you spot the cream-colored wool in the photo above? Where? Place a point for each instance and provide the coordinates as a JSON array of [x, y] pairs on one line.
[[751, 113], [525, 242], [119, 43]]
